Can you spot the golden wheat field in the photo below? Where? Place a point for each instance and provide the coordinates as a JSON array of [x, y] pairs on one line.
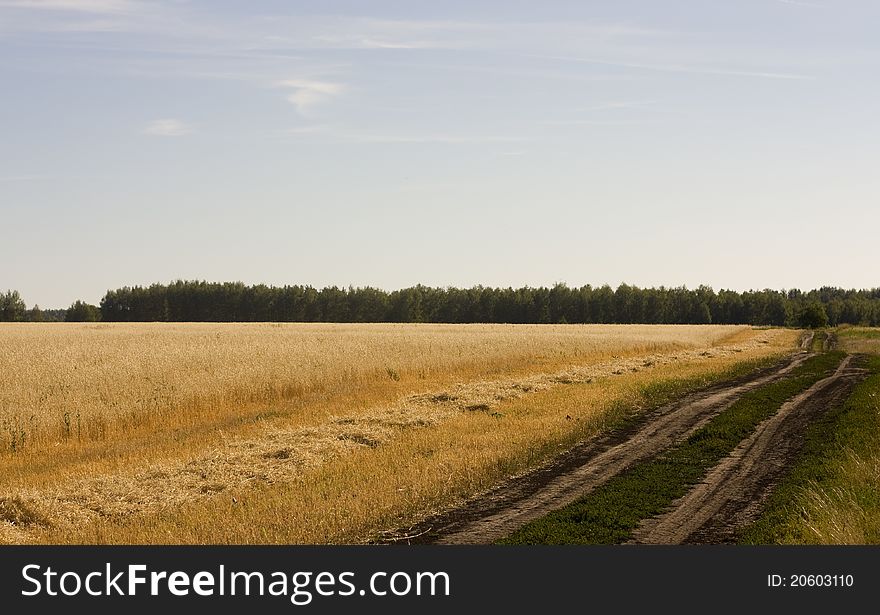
[[308, 433]]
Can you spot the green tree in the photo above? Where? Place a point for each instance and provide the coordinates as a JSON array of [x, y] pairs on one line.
[[183, 301], [81, 311], [12, 308], [35, 314], [813, 316]]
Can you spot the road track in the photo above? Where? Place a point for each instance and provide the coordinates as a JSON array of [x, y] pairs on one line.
[[499, 512], [734, 491]]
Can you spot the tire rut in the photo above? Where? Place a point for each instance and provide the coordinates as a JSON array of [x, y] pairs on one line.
[[733, 493], [499, 512]]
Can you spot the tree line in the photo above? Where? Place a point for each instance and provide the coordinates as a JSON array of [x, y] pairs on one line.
[[13, 309], [196, 301]]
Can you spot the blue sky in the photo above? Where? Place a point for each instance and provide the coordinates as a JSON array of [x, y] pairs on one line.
[[445, 143]]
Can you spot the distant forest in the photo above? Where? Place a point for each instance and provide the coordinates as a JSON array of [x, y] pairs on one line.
[[194, 301]]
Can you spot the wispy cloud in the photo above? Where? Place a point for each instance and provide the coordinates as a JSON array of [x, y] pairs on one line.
[[342, 135], [431, 138], [85, 25], [370, 43], [307, 92], [83, 16], [611, 113], [110, 7], [334, 32], [620, 105], [589, 123], [167, 128], [680, 68], [360, 41], [798, 3], [21, 178], [308, 130]]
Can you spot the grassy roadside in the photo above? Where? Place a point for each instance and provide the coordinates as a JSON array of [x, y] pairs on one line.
[[613, 511], [859, 339], [831, 496], [418, 472]]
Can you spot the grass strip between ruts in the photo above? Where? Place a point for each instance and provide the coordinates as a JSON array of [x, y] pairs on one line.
[[611, 512]]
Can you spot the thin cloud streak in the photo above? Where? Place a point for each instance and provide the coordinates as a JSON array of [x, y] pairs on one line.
[[53, 17], [308, 130], [338, 135], [106, 7], [440, 138], [359, 33], [797, 3], [679, 68], [622, 104], [22, 178], [167, 128], [378, 42], [307, 92], [589, 123]]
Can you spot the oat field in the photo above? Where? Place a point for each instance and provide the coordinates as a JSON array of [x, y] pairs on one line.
[[306, 432]]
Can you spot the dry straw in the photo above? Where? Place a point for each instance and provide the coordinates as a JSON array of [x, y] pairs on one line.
[[111, 423]]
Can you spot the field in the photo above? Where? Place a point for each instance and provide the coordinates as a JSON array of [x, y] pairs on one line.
[[319, 433]]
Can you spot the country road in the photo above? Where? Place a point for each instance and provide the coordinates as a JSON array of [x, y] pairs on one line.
[[733, 492], [730, 495]]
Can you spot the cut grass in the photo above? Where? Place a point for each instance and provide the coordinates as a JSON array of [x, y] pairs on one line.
[[417, 472], [830, 496], [612, 512], [66, 388]]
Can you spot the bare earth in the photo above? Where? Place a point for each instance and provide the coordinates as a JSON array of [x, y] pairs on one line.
[[731, 495]]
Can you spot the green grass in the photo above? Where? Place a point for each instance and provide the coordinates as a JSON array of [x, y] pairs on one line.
[[831, 493], [819, 338], [858, 333], [610, 513]]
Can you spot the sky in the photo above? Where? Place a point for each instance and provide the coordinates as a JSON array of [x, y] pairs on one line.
[[454, 143]]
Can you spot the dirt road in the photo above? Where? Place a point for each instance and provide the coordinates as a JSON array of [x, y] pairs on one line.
[[733, 492], [498, 513]]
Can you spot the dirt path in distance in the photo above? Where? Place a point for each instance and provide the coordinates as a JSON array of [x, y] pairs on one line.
[[733, 493], [494, 515]]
